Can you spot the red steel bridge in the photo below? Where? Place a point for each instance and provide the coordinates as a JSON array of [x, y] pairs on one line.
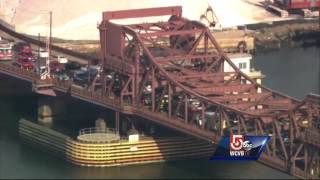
[[171, 72]]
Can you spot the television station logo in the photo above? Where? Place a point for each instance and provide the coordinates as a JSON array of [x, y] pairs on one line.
[[240, 147]]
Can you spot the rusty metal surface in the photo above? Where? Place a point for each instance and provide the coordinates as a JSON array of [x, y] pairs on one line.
[[135, 13], [186, 82]]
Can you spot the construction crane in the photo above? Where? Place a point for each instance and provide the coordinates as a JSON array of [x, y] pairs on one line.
[[211, 18], [231, 40]]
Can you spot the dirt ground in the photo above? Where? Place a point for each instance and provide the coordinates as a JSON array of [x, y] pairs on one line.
[[78, 19], [264, 38]]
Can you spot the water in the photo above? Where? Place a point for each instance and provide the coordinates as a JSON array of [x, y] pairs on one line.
[[292, 71], [295, 72]]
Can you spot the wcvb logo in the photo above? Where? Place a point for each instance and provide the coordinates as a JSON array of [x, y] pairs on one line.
[[240, 147]]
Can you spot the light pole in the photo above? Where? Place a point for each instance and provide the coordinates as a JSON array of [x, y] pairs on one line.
[[48, 46], [49, 41], [50, 37]]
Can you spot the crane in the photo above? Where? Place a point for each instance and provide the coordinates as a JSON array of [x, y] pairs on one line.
[[210, 17]]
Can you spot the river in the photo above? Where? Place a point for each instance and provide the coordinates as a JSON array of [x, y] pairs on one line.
[[291, 71]]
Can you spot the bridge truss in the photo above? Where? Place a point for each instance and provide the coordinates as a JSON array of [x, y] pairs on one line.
[[172, 72]]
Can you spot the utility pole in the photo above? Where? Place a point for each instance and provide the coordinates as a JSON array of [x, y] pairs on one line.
[[48, 58], [50, 37]]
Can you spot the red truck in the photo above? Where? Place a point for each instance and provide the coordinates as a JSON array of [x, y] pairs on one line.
[[5, 50], [298, 4]]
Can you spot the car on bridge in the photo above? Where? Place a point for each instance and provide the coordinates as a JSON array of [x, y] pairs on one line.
[[81, 78], [85, 77], [62, 76], [24, 63], [72, 66], [55, 67], [23, 51], [60, 59]]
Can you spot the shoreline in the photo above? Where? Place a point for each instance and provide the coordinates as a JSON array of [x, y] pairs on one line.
[[267, 37], [287, 35]]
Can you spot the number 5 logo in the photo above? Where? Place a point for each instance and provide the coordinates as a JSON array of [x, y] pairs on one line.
[[236, 142]]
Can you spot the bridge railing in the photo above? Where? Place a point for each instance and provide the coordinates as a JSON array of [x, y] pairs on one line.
[[63, 85], [94, 130], [96, 97], [27, 74], [42, 81]]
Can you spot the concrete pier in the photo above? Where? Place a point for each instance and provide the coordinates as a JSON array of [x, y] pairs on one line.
[[49, 108], [119, 153]]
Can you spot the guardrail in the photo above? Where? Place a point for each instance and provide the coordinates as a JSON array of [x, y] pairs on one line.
[[98, 135], [61, 85], [95, 97], [93, 130]]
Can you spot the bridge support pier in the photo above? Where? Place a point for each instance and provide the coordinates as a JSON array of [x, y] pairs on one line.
[[49, 108]]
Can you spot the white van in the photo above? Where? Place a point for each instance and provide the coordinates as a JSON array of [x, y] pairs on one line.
[[60, 59]]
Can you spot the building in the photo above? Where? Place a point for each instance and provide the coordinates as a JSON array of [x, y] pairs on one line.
[[244, 62]]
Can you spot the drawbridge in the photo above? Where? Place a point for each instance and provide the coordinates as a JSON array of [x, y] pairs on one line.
[[172, 73]]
